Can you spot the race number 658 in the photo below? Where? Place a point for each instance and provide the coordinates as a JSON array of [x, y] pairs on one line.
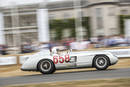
[[59, 59]]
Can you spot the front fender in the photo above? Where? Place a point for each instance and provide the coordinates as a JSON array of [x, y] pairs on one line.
[[32, 62]]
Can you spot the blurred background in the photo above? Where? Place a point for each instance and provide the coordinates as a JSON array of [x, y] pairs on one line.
[[30, 25]]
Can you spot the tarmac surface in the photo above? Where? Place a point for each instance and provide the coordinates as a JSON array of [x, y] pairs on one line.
[[67, 76]]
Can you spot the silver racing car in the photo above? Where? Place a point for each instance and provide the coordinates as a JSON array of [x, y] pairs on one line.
[[48, 62]]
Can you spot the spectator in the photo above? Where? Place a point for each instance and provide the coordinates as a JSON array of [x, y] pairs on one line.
[[121, 41], [3, 49], [44, 45], [67, 42], [51, 45], [26, 48], [35, 46]]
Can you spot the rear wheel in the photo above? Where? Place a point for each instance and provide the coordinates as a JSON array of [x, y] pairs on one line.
[[101, 62], [46, 66]]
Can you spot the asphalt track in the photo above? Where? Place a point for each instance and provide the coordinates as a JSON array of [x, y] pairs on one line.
[[67, 76]]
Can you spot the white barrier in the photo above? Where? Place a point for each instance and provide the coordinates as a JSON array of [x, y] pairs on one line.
[[120, 52], [8, 60], [22, 59]]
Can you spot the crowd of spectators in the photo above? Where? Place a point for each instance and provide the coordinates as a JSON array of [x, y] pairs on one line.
[[93, 42], [71, 43], [110, 41]]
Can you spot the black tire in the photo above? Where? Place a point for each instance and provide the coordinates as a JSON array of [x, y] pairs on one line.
[[46, 66], [101, 62]]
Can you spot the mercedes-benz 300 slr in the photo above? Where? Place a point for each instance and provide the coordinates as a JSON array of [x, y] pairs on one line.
[[48, 62]]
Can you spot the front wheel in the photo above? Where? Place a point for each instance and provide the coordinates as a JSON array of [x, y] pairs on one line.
[[46, 66], [101, 62]]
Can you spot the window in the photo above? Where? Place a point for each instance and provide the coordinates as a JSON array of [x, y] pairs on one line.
[[111, 11], [124, 11], [98, 12], [27, 20], [7, 21], [99, 18], [99, 22]]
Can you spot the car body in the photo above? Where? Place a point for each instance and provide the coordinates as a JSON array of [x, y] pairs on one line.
[[47, 62]]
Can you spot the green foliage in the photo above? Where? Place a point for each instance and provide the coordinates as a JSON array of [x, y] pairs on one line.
[[121, 22], [60, 24]]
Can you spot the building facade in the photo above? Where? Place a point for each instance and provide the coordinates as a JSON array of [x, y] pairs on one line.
[[20, 23]]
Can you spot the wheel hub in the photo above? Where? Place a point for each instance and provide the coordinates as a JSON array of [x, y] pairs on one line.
[[101, 61], [46, 65]]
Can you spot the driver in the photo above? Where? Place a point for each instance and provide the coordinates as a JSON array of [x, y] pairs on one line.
[[59, 51]]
